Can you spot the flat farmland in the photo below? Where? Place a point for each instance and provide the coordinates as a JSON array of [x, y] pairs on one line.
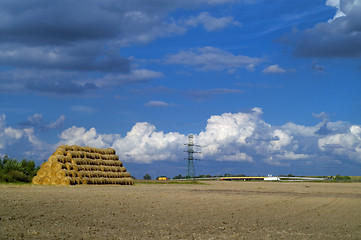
[[214, 210]]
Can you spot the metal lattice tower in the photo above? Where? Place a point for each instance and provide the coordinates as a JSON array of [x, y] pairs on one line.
[[190, 151]]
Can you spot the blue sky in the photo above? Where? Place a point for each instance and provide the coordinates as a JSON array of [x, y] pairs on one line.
[[266, 87]]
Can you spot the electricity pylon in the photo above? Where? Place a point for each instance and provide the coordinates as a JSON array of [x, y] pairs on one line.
[[190, 151]]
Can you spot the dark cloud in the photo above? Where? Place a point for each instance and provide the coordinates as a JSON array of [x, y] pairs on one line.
[[39, 22], [323, 130], [59, 123], [37, 121], [63, 87], [208, 93], [155, 90], [86, 57], [33, 121], [318, 68], [339, 37], [77, 42]]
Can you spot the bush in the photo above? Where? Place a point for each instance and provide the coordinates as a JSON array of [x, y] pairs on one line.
[[13, 171], [342, 178], [16, 176], [147, 177]]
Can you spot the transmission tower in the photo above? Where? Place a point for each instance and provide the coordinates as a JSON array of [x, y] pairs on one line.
[[190, 151]]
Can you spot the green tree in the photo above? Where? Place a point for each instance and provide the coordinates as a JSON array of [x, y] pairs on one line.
[[178, 177], [147, 177], [13, 171]]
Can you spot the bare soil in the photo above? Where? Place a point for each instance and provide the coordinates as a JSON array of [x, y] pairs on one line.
[[217, 210]]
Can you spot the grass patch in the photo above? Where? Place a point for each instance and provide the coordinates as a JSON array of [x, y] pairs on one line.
[[139, 181], [16, 183]]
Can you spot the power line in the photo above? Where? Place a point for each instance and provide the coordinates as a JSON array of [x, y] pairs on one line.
[[190, 158]]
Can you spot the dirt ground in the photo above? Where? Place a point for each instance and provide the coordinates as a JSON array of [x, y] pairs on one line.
[[218, 210]]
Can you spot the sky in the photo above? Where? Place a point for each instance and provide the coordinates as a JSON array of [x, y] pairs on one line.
[[265, 87]]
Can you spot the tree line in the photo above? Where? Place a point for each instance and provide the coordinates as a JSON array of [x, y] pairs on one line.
[[12, 170]]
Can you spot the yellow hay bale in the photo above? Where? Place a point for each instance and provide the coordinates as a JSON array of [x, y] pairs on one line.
[[63, 159], [55, 181], [77, 180], [111, 163], [56, 166], [128, 181], [85, 180], [68, 166], [102, 180], [118, 163], [78, 161], [45, 165], [95, 180], [87, 161], [36, 180], [78, 174], [109, 180], [60, 151], [42, 172], [71, 165], [74, 154], [110, 151], [121, 181], [81, 167], [66, 147], [75, 148], [53, 159], [119, 174], [108, 169], [51, 173], [61, 173], [73, 174], [98, 174], [67, 181], [45, 180], [84, 168]]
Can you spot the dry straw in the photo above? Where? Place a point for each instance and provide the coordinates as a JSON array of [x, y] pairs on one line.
[[70, 165]]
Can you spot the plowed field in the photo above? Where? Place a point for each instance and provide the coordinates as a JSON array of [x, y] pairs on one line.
[[217, 210]]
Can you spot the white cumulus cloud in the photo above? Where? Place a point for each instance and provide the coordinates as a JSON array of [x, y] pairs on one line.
[[10, 135], [343, 144], [230, 137], [143, 144], [211, 58], [211, 23], [80, 136], [274, 69]]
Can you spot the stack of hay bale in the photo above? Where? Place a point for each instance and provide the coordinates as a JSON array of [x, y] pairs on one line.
[[70, 165]]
